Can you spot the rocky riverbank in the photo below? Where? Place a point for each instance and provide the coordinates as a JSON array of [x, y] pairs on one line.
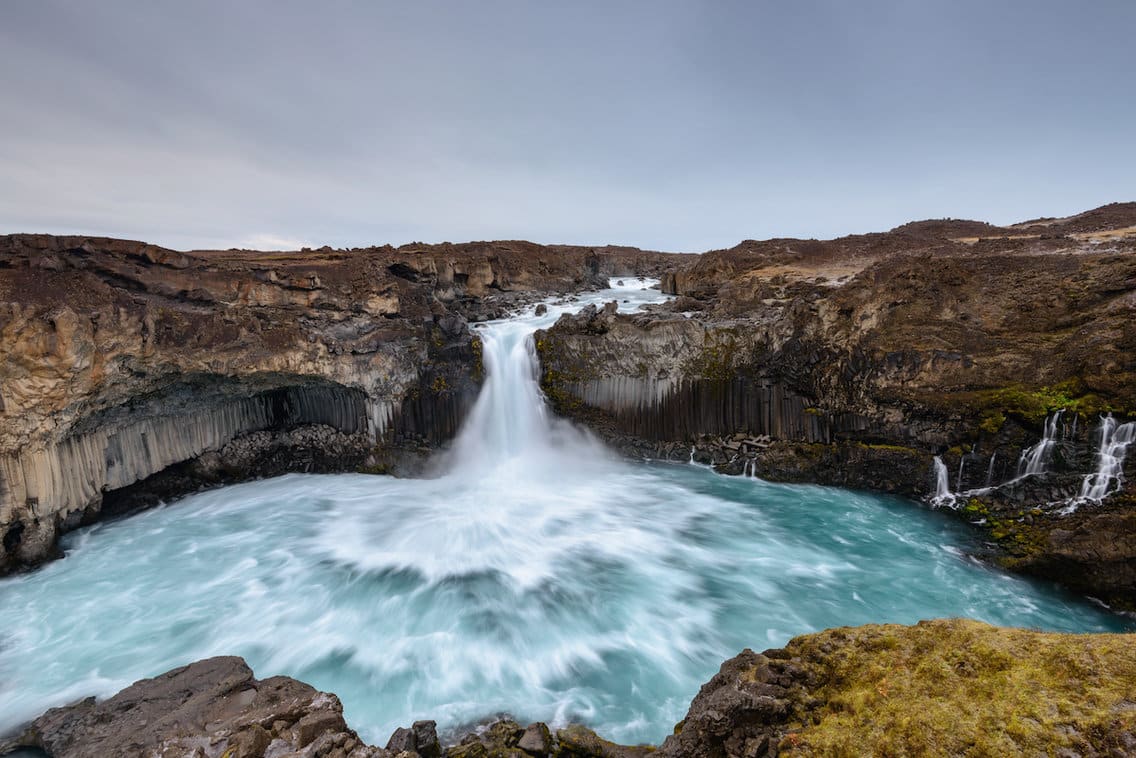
[[130, 373], [944, 687], [927, 361]]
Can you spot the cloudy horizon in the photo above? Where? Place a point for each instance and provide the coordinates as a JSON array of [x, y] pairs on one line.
[[671, 125]]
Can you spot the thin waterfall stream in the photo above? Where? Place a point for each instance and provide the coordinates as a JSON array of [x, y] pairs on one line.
[[538, 574]]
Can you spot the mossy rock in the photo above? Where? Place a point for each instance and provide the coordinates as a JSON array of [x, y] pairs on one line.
[[961, 687]]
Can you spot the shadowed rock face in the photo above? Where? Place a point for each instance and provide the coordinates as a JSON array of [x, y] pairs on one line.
[[142, 372], [855, 361]]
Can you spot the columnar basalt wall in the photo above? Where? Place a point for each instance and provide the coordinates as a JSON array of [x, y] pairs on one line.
[[131, 369], [859, 361], [682, 410], [50, 489]]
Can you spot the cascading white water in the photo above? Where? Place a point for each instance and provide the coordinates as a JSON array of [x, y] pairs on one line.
[[1109, 475], [943, 496], [1034, 459], [990, 470]]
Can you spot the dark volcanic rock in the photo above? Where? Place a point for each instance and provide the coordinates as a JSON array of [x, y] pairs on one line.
[[939, 688], [210, 708], [128, 369], [744, 710], [507, 739], [858, 360]]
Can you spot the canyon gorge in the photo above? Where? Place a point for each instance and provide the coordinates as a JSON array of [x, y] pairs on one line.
[[983, 377]]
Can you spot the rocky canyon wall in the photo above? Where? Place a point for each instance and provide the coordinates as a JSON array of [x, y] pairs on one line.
[[859, 361], [130, 372]]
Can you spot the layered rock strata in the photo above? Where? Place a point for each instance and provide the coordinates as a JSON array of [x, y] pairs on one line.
[[129, 372], [856, 361]]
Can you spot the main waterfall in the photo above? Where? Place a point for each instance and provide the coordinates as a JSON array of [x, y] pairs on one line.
[[535, 574], [510, 431]]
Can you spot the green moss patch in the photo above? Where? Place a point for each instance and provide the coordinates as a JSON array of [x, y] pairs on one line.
[[960, 687], [1035, 403]]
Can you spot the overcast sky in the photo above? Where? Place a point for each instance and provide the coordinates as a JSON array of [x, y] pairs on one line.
[[668, 124]]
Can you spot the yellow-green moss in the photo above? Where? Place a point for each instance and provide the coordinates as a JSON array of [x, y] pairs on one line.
[[1035, 403], [888, 448], [478, 364], [992, 421], [960, 687], [716, 359], [975, 508]]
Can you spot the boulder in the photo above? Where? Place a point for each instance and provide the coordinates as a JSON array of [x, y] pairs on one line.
[[212, 707]]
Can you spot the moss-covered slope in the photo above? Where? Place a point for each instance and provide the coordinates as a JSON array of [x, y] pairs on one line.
[[945, 687]]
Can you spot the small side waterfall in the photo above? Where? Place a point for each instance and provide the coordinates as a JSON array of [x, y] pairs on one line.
[[943, 496], [1115, 440], [1034, 459], [990, 470]]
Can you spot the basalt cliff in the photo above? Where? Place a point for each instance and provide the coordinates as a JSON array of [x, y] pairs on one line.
[[129, 372], [989, 370]]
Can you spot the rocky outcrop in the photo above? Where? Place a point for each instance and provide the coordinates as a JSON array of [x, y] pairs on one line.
[[857, 361], [129, 372], [508, 739], [211, 708], [940, 688], [215, 708], [946, 687]]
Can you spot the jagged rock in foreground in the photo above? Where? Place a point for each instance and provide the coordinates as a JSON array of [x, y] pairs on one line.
[[210, 709], [215, 708], [938, 688]]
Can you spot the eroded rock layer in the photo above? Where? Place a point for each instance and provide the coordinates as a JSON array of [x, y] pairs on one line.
[[858, 361], [129, 372]]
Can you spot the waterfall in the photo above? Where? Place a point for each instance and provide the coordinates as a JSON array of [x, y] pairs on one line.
[[943, 495], [1035, 458], [510, 429], [510, 432], [1110, 459], [990, 470], [958, 479]]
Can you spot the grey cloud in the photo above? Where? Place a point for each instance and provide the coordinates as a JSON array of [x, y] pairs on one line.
[[674, 125]]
